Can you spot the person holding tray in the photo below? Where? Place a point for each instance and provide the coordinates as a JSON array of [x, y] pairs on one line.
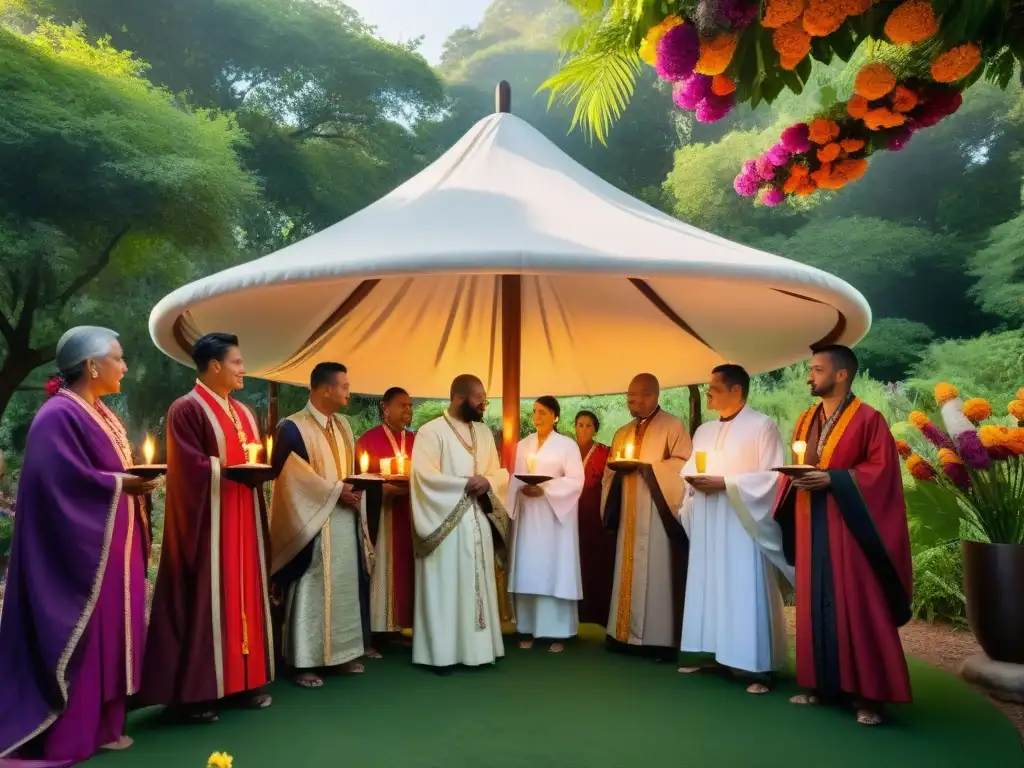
[[319, 550], [545, 561], [74, 617]]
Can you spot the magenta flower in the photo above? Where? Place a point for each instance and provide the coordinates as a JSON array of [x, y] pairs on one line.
[[713, 108], [778, 155], [797, 138], [735, 14], [972, 451], [936, 436], [691, 90], [765, 168], [746, 184], [899, 138], [678, 52], [773, 196], [957, 474]]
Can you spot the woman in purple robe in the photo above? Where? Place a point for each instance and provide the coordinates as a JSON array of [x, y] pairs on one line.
[[73, 621]]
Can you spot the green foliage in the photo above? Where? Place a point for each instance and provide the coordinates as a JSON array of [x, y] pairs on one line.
[[990, 366], [892, 347], [999, 267]]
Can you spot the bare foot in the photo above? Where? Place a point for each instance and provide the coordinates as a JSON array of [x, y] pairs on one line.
[[804, 699], [122, 743], [353, 668], [526, 644], [758, 688], [373, 653], [556, 648], [309, 680], [868, 717], [261, 700]]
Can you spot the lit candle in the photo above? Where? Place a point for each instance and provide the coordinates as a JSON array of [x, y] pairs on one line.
[[270, 447], [629, 451], [401, 463], [364, 463], [385, 466], [799, 451], [531, 463], [147, 450], [252, 451]]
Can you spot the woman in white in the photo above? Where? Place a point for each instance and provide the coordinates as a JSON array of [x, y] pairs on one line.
[[545, 570]]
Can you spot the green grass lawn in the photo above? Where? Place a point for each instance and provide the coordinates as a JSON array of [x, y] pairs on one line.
[[582, 708]]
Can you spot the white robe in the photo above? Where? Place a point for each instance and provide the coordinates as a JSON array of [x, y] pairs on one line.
[[733, 604], [544, 570], [457, 618]]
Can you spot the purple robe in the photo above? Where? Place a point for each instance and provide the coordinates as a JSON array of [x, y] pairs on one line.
[[72, 630]]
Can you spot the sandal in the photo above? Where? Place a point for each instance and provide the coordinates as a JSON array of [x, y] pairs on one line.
[[123, 742], [309, 680], [526, 644], [714, 668], [556, 648], [373, 653], [260, 700], [805, 700], [352, 668], [202, 717], [868, 717]]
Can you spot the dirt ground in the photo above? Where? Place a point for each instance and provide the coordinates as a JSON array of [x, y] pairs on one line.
[[942, 646]]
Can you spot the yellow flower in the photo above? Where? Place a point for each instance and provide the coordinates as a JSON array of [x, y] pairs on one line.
[[948, 456], [649, 45], [977, 409], [993, 436], [219, 760], [918, 419], [1016, 409], [945, 392]]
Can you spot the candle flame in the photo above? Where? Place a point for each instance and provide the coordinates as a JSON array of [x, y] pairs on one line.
[[270, 447], [148, 449], [364, 463], [629, 451], [531, 462], [252, 452], [799, 450]]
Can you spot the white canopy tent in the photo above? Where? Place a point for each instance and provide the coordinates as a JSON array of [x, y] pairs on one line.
[[507, 259]]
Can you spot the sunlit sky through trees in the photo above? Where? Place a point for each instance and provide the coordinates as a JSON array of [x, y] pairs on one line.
[[399, 20]]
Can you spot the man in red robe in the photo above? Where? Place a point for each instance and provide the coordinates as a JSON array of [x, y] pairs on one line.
[[209, 635], [845, 531], [393, 582]]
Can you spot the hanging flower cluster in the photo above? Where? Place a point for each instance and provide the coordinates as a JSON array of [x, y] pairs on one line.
[[979, 463], [795, 22], [911, 23], [695, 65]]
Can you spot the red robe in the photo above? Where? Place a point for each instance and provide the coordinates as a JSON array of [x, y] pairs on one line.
[[850, 545], [209, 631], [393, 596], [597, 546]]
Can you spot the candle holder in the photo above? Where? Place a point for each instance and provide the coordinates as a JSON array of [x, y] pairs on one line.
[[364, 482], [625, 466], [148, 471], [252, 475], [533, 479], [795, 470]]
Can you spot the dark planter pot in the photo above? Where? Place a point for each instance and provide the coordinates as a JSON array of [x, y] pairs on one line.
[[993, 584]]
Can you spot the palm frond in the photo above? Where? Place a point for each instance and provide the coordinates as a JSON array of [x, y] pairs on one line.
[[600, 84]]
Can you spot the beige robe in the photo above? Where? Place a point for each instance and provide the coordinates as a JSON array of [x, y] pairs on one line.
[[641, 611], [457, 618], [323, 624]]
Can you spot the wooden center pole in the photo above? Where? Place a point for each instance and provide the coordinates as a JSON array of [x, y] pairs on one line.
[[511, 359]]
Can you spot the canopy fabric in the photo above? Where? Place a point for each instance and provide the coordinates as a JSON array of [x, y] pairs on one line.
[[407, 292]]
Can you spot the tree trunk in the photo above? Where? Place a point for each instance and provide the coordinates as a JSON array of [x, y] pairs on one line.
[[17, 366], [695, 415]]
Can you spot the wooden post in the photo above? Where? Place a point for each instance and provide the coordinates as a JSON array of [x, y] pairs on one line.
[[271, 408], [511, 358], [695, 417], [503, 97]]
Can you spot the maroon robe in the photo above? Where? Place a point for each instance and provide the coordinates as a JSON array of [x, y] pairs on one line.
[[392, 610], [850, 545], [597, 546], [209, 634]]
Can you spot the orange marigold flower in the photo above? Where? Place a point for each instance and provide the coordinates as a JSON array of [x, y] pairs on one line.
[[792, 44], [903, 99], [1016, 409], [904, 448], [823, 131], [919, 468], [806, 188], [852, 145], [857, 107], [826, 177], [912, 22], [956, 63], [874, 81], [945, 392], [828, 153], [722, 85], [949, 456], [993, 436], [852, 168], [883, 117], [716, 53], [1014, 441], [1020, 393], [778, 13], [649, 45], [854, 7], [977, 409], [823, 17], [918, 419]]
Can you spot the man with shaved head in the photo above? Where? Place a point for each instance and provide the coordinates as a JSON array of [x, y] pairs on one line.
[[639, 501], [456, 490]]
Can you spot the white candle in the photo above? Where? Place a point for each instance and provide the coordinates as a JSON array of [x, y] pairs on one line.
[[401, 463], [531, 463], [385, 466], [270, 448], [629, 451], [252, 451], [364, 463], [799, 451], [147, 450]]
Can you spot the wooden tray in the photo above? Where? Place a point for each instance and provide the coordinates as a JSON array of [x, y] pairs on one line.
[[533, 479], [795, 470], [148, 471], [252, 475], [364, 482], [625, 466]]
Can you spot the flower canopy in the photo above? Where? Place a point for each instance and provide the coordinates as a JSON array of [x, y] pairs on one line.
[[918, 56], [408, 292]]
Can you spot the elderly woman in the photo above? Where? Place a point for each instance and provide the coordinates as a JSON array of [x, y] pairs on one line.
[[71, 634]]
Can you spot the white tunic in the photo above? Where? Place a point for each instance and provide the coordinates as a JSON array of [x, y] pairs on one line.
[[457, 619], [545, 561], [733, 604]]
